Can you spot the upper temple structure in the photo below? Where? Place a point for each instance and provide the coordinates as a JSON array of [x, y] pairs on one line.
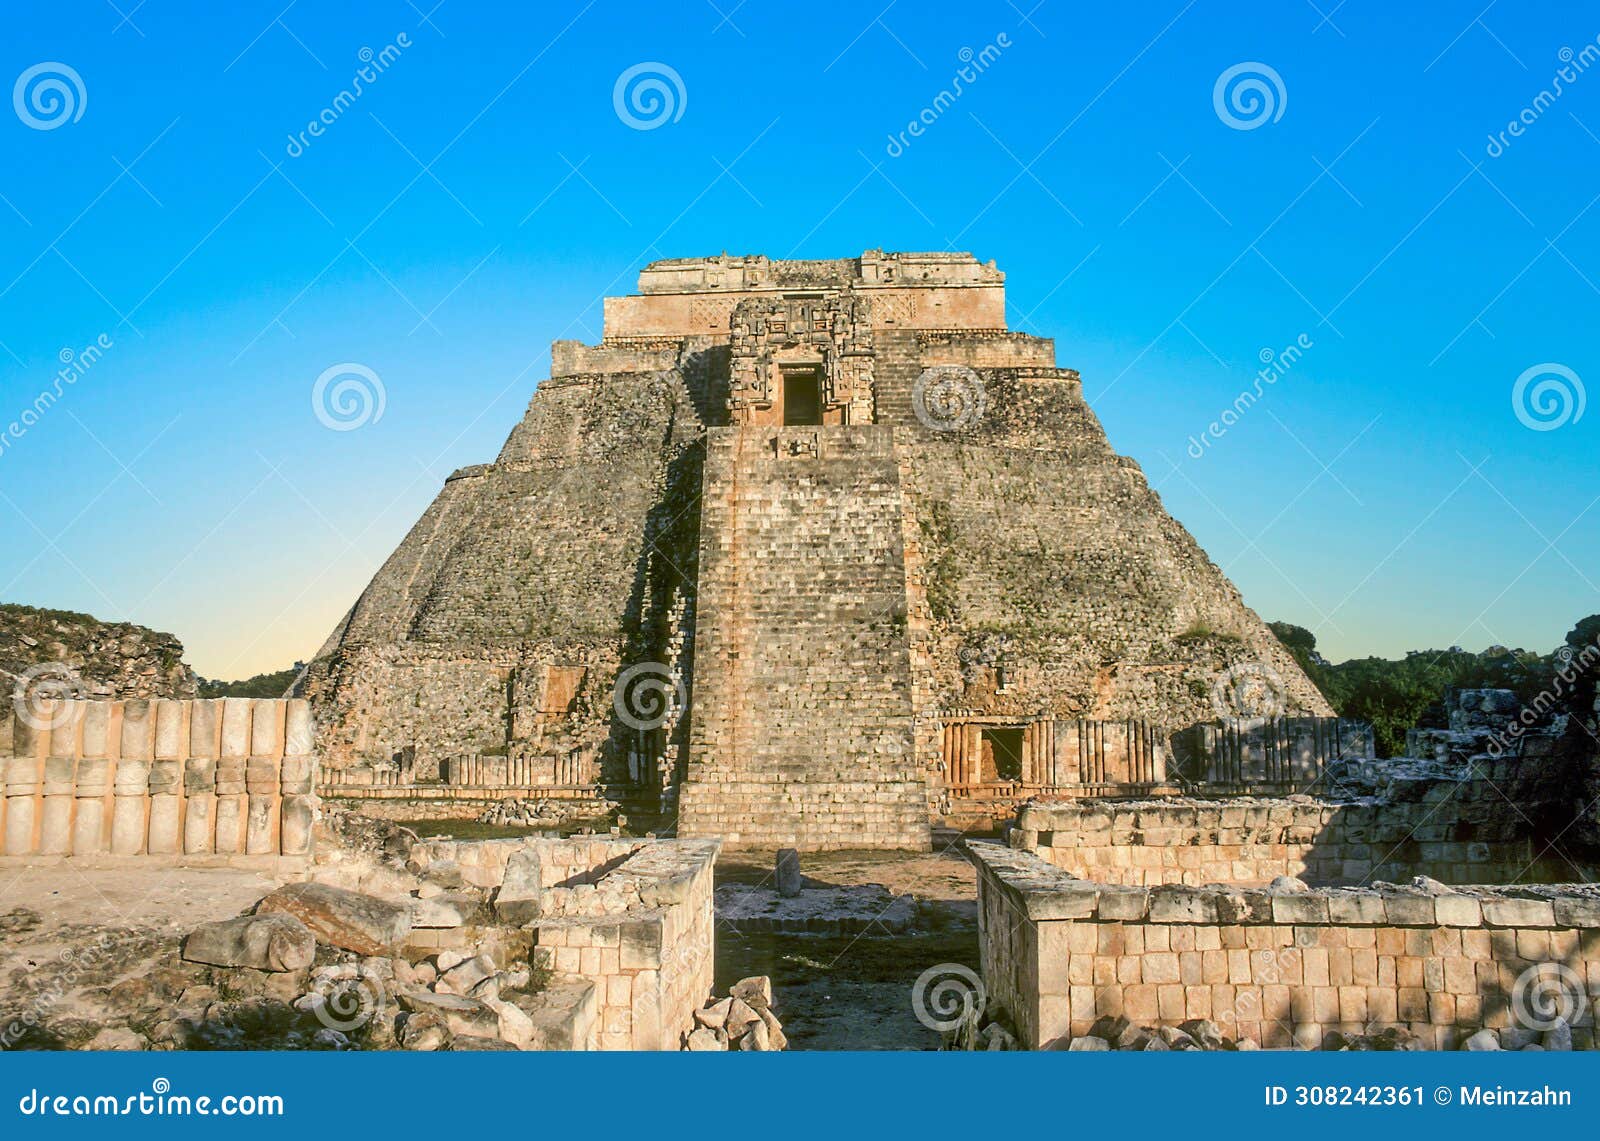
[[814, 554]]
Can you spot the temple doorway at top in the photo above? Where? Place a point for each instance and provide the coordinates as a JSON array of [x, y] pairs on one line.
[[802, 396]]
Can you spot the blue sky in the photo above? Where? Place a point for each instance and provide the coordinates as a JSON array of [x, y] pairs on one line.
[[483, 193]]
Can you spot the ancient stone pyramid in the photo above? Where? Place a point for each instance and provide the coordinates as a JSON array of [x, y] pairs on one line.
[[762, 547]]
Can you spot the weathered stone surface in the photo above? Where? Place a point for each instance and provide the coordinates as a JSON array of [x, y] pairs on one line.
[[460, 1014], [345, 919], [715, 1016], [1088, 1043], [479, 1042], [786, 875], [704, 1039], [755, 991], [271, 942]]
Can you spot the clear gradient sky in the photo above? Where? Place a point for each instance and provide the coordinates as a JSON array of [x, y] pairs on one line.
[[483, 193]]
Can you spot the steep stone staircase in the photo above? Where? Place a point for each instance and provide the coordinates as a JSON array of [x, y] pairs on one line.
[[802, 724]]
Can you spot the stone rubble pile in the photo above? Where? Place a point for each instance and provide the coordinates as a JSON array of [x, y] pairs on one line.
[[742, 1021], [518, 812], [342, 980]]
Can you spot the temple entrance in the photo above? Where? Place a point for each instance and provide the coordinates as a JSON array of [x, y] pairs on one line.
[[1002, 753], [802, 396]]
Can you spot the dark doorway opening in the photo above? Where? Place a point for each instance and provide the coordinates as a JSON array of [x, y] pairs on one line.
[[1002, 753], [802, 397]]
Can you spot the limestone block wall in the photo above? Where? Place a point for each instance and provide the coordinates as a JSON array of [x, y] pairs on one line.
[[633, 916], [187, 780], [1278, 969], [1252, 840]]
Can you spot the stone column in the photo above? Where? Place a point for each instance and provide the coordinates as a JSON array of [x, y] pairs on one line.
[[200, 778], [298, 777], [231, 762], [92, 781], [131, 785], [261, 777], [166, 778], [55, 821], [23, 773]]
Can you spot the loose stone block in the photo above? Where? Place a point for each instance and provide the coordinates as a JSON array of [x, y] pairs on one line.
[[1506, 912], [263, 942]]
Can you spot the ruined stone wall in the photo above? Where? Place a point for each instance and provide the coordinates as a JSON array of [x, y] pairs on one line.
[[195, 781], [79, 656], [1252, 841], [802, 723], [1278, 969], [635, 917]]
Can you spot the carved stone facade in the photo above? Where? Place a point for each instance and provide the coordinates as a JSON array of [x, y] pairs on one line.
[[756, 553], [828, 337]]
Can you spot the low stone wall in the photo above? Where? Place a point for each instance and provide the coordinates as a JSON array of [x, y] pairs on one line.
[[1254, 840], [633, 916], [1278, 969], [193, 781]]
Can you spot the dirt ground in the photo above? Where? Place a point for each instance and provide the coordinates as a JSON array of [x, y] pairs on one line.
[[170, 899], [855, 992]]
